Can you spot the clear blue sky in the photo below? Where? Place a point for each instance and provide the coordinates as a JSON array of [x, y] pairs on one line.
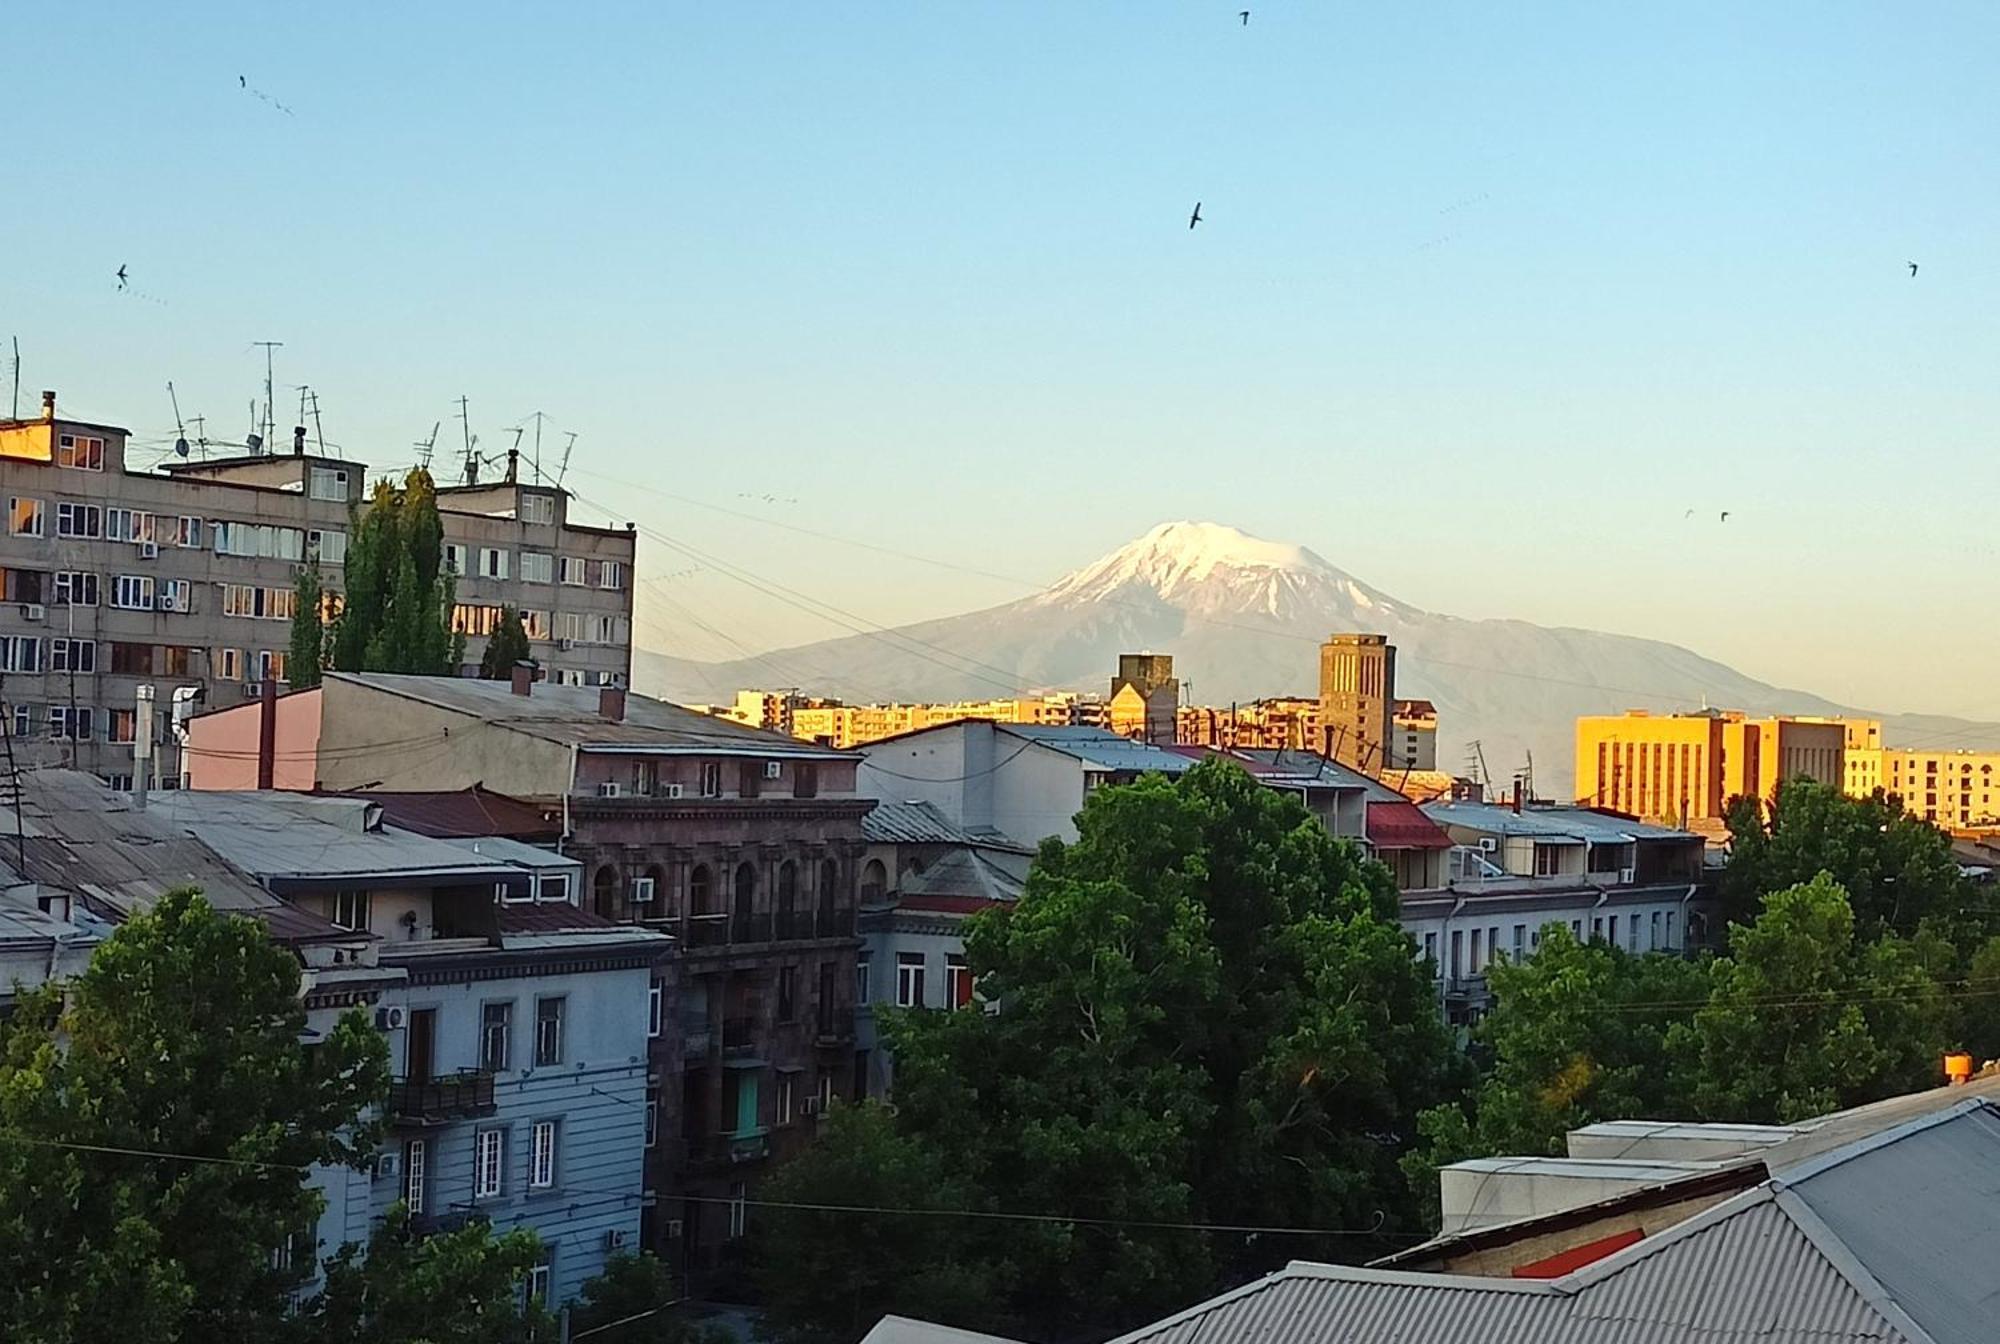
[[1486, 299]]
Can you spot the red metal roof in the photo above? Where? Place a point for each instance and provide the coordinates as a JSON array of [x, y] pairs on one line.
[[462, 814], [1401, 825], [549, 917]]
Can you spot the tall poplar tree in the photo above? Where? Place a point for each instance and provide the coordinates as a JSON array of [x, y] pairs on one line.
[[397, 614]]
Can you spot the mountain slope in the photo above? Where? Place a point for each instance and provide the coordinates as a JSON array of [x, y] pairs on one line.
[[1243, 618]]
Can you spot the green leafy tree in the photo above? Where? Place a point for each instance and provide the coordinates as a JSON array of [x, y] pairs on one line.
[[396, 616], [457, 1287], [308, 652], [157, 1115], [1804, 1018], [631, 1302], [1577, 1034], [1979, 1028], [1209, 1015], [1896, 870], [506, 646], [828, 1276]]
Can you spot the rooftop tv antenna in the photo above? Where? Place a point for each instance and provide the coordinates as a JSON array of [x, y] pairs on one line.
[[1475, 758], [429, 445], [470, 475], [319, 438], [17, 377], [269, 407], [253, 442], [536, 460], [563, 470], [180, 430]]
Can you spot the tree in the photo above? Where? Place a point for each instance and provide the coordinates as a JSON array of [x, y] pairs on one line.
[[157, 1116], [456, 1287], [829, 1276], [507, 646], [1576, 1034], [1895, 869], [1803, 1018], [308, 652], [1209, 1015], [397, 613], [638, 1291]]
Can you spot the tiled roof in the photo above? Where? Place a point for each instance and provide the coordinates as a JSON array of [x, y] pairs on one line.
[[446, 814], [1401, 825]]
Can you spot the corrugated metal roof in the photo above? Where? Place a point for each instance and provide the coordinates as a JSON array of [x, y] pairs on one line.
[[1100, 748], [1577, 823], [910, 824], [446, 814], [280, 835], [964, 872], [1401, 825], [903, 1330], [569, 714]]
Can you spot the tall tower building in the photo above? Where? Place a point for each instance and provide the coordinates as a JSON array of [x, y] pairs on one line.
[[1145, 696], [1357, 697]]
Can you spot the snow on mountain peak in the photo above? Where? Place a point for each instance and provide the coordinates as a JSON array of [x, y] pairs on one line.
[[1176, 556]]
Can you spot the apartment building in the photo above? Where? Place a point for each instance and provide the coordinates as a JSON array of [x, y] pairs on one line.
[[834, 723], [184, 578], [1357, 695], [1414, 745], [1682, 769], [1276, 723]]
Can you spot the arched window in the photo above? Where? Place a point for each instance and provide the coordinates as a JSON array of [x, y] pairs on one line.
[[829, 889], [788, 899], [701, 891], [663, 899], [604, 892], [746, 902], [874, 881]]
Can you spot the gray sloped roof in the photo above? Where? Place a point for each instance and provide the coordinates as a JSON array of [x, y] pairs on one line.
[[903, 1330], [965, 872], [1100, 748], [911, 823]]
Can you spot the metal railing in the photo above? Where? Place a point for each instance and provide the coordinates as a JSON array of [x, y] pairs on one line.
[[739, 1035], [456, 1096]]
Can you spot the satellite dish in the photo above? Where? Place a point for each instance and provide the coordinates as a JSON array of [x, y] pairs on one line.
[[180, 447]]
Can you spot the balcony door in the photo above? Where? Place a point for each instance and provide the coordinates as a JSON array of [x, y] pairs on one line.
[[420, 1059]]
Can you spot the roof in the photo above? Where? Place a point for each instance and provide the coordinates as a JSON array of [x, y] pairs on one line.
[[569, 715], [1415, 708], [961, 873], [1315, 768], [28, 926], [465, 812], [910, 824], [903, 1330], [1575, 824], [1401, 825], [1100, 748], [1889, 1240]]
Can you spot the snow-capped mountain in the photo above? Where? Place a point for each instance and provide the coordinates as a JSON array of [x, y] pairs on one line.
[[1243, 618]]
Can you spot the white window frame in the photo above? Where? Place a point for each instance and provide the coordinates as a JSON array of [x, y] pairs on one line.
[[538, 567], [571, 570], [956, 970], [861, 997], [541, 1276], [23, 653], [38, 520], [611, 575], [414, 1153], [453, 556], [910, 979], [739, 1210], [489, 1163], [132, 592], [327, 483], [538, 509], [656, 1000], [72, 655], [542, 1156], [644, 889], [67, 445], [187, 531], [328, 545], [351, 905], [710, 776], [229, 664], [174, 595], [68, 581], [494, 562], [787, 1088], [652, 1123]]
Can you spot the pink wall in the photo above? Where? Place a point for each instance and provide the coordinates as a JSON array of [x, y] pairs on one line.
[[222, 746]]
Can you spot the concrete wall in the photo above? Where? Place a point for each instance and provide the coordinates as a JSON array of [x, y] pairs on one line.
[[1037, 793], [373, 739], [948, 767], [222, 746]]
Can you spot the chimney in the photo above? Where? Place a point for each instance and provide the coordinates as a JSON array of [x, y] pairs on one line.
[[1517, 797], [611, 704], [49, 407], [267, 732], [524, 677], [298, 440], [513, 465]]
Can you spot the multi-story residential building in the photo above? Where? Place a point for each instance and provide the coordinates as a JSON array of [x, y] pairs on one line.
[[833, 723], [1357, 694], [743, 844], [1683, 769], [113, 577], [1144, 698], [1951, 788], [1415, 744], [1276, 723]]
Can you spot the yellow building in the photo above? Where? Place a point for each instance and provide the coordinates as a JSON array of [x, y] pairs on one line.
[[1684, 768], [1951, 788], [834, 724], [1357, 698]]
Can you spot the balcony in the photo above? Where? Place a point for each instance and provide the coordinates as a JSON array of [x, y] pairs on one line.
[[437, 1101], [739, 1037], [728, 1150], [708, 931], [750, 928], [834, 1033], [697, 1040], [836, 923]]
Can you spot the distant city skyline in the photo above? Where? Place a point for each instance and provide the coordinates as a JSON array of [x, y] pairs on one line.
[[1498, 312]]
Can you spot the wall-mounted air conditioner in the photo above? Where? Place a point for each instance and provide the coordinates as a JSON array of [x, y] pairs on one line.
[[609, 789], [149, 550], [388, 1166], [34, 611], [1489, 844], [392, 1017], [772, 769]]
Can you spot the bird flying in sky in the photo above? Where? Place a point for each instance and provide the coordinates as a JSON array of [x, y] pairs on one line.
[[1245, 16], [1913, 270], [1195, 218], [121, 275], [1725, 515]]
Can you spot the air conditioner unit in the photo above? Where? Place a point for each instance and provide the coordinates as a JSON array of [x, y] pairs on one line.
[[149, 550], [388, 1166], [34, 611], [1489, 843], [565, 644], [772, 769], [608, 789], [614, 1238], [392, 1018], [252, 689], [672, 790], [675, 1229], [1626, 875]]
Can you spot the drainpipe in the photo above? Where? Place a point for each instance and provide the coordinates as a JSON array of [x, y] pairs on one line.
[[566, 793], [1693, 887]]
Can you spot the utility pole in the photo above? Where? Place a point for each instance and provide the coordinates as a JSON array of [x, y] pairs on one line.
[[142, 747], [269, 409], [17, 378], [319, 437], [470, 475]]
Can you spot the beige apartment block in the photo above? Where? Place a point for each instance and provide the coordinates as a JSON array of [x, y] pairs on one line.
[[184, 579]]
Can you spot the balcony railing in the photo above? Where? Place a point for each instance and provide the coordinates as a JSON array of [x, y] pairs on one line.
[[739, 1036], [729, 930], [750, 928], [708, 931], [432, 1101], [723, 1150], [836, 923]]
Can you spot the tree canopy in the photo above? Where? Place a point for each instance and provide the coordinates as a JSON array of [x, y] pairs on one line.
[[397, 610], [307, 657], [457, 1287], [156, 1120], [506, 646]]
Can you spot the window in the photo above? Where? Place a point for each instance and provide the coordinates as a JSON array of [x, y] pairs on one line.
[[23, 653], [805, 780], [271, 664], [548, 1032], [75, 589], [329, 547], [957, 981], [542, 1156], [788, 993], [538, 509], [80, 452], [644, 889], [350, 910], [69, 724], [24, 720], [176, 595], [262, 604], [187, 532], [1670, 929], [538, 567], [738, 1210], [909, 979], [571, 570], [229, 664], [493, 563], [700, 891], [1431, 946], [1520, 943], [861, 980], [1612, 927], [749, 778], [824, 1091], [328, 483], [1548, 860], [655, 1004], [611, 574], [645, 776], [553, 889], [1655, 944], [540, 1275], [711, 779], [127, 525], [489, 1154], [652, 1123], [496, 1024], [787, 1085], [414, 1153], [1632, 933], [132, 592], [79, 520], [69, 655], [24, 516], [1476, 963], [454, 558], [536, 624], [473, 618], [121, 725]]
